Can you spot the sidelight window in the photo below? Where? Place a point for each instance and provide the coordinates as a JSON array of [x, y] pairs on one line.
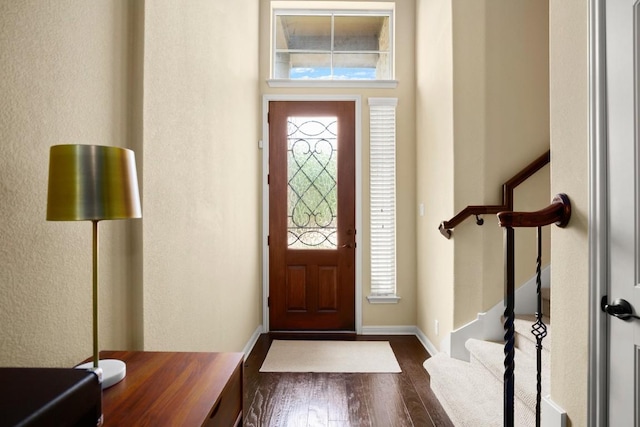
[[382, 176]]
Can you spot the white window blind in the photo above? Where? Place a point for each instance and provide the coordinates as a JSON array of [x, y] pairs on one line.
[[382, 171]]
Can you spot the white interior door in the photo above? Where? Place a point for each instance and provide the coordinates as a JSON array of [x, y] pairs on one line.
[[622, 64]]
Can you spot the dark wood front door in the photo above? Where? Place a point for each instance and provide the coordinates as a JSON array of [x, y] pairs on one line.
[[312, 215]]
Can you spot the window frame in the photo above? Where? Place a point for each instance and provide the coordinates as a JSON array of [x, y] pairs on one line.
[[279, 10]]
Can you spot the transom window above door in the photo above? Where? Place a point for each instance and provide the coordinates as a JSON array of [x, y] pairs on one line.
[[311, 45]]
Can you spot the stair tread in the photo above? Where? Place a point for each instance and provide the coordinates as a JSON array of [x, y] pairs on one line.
[[470, 395], [490, 356]]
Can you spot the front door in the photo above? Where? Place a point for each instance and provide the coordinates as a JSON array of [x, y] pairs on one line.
[[623, 96], [312, 216]]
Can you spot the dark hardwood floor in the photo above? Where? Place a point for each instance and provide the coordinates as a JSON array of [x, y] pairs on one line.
[[339, 400]]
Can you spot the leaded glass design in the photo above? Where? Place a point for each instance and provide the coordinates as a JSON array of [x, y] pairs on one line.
[[312, 193]]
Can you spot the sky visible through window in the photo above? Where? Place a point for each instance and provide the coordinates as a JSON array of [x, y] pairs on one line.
[[324, 73]]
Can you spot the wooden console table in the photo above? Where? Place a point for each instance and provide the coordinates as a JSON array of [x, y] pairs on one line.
[[175, 389]]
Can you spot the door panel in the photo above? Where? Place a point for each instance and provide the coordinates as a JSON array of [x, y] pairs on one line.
[[622, 55], [328, 288], [296, 288], [312, 215]]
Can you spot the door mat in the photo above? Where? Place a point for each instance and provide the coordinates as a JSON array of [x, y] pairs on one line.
[[331, 356]]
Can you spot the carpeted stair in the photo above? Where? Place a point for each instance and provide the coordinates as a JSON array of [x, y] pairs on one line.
[[471, 392]]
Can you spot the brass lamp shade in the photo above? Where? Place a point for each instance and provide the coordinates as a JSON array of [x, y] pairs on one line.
[[92, 182]]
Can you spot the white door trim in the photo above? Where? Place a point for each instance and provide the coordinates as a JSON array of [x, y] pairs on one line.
[[265, 195], [598, 218]]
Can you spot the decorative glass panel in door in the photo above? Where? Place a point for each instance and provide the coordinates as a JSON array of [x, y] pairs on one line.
[[312, 166]]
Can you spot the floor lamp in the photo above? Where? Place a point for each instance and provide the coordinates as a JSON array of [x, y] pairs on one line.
[[94, 183]]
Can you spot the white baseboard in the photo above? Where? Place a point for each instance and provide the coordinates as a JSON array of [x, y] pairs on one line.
[[402, 330], [389, 330], [426, 343], [551, 415], [252, 341], [485, 327]]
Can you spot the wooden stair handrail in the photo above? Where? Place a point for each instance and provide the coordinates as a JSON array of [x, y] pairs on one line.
[[445, 227], [558, 213]]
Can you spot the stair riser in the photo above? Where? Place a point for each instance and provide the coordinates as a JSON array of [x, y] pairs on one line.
[[479, 415], [453, 414], [525, 340], [526, 345], [523, 416], [526, 398]]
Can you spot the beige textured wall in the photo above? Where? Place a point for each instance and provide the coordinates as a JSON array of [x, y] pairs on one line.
[[517, 128], [403, 313], [501, 124], [472, 98], [482, 116], [186, 276], [435, 157], [201, 175], [63, 79], [570, 174]]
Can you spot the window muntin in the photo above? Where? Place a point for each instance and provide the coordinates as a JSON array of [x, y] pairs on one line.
[[332, 45]]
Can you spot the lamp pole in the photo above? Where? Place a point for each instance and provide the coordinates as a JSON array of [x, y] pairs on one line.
[[95, 293]]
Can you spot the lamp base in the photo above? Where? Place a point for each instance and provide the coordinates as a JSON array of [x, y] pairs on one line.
[[113, 371]]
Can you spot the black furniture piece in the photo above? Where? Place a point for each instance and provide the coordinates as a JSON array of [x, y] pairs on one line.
[[31, 397]]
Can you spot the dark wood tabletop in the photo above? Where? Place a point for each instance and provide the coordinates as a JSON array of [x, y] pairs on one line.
[[167, 388]]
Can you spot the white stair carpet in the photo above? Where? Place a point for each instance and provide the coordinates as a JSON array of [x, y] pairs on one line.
[[471, 393]]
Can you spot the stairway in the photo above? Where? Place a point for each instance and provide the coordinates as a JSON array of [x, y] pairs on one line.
[[472, 392]]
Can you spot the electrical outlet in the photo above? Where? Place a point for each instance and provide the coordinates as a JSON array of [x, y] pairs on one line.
[[437, 327]]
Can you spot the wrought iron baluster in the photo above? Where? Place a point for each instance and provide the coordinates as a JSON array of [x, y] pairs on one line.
[[509, 330], [539, 329]]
